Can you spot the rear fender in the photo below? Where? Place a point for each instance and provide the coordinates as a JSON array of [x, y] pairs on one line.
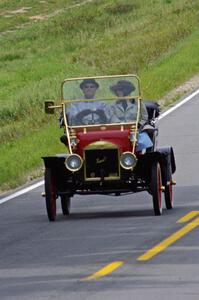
[[168, 154], [164, 156], [168, 165]]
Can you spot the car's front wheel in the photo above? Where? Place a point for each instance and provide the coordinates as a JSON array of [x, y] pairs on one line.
[[156, 188], [50, 191]]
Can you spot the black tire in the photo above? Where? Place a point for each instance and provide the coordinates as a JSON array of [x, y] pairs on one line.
[[156, 188], [50, 191], [65, 205], [168, 194]]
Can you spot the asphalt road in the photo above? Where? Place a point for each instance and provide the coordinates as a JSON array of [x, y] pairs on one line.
[[96, 252]]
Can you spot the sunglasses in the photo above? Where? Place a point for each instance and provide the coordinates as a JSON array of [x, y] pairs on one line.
[[89, 86]]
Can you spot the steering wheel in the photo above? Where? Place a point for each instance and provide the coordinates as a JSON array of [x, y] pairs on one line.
[[89, 117]]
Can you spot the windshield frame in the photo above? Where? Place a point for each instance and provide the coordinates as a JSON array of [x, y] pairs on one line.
[[101, 78], [106, 100]]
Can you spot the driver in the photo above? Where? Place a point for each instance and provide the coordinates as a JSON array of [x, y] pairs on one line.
[[84, 113]]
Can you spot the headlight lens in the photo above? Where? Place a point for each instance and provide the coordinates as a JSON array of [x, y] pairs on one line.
[[128, 160], [73, 162]]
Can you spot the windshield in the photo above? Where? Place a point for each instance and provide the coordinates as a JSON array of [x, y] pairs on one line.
[[101, 100]]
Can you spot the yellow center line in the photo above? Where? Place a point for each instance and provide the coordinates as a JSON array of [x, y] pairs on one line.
[[153, 251], [188, 217], [104, 271], [169, 241]]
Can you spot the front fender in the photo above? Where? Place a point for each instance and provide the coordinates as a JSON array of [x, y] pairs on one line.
[[63, 178], [53, 162]]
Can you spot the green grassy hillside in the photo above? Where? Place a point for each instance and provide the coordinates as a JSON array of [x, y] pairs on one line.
[[44, 42]]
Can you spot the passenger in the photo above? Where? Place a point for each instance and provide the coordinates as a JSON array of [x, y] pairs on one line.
[[125, 110]]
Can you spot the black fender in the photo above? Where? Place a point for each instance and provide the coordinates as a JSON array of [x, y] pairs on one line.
[[163, 155], [168, 154], [53, 162], [168, 166], [63, 178]]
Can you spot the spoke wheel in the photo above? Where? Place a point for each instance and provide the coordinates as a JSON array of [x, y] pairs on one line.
[[88, 117], [156, 188], [168, 194], [65, 205], [50, 191]]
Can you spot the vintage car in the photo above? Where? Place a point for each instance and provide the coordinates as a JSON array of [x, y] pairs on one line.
[[111, 147]]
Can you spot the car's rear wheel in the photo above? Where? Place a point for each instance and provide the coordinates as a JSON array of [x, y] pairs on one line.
[[168, 194], [156, 188], [50, 191], [65, 205]]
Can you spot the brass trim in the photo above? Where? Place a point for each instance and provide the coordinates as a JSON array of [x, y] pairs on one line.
[[136, 125], [101, 145], [99, 99], [106, 125], [101, 77], [67, 130], [55, 106], [99, 179], [104, 146]]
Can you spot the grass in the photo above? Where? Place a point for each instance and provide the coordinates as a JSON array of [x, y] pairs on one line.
[[25, 153], [156, 39], [172, 69], [16, 13]]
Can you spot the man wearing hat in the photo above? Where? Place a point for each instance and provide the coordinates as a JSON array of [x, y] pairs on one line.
[[89, 88], [88, 112]]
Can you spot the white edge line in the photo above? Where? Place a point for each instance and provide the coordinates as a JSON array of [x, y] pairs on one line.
[[36, 185], [21, 192], [178, 104]]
